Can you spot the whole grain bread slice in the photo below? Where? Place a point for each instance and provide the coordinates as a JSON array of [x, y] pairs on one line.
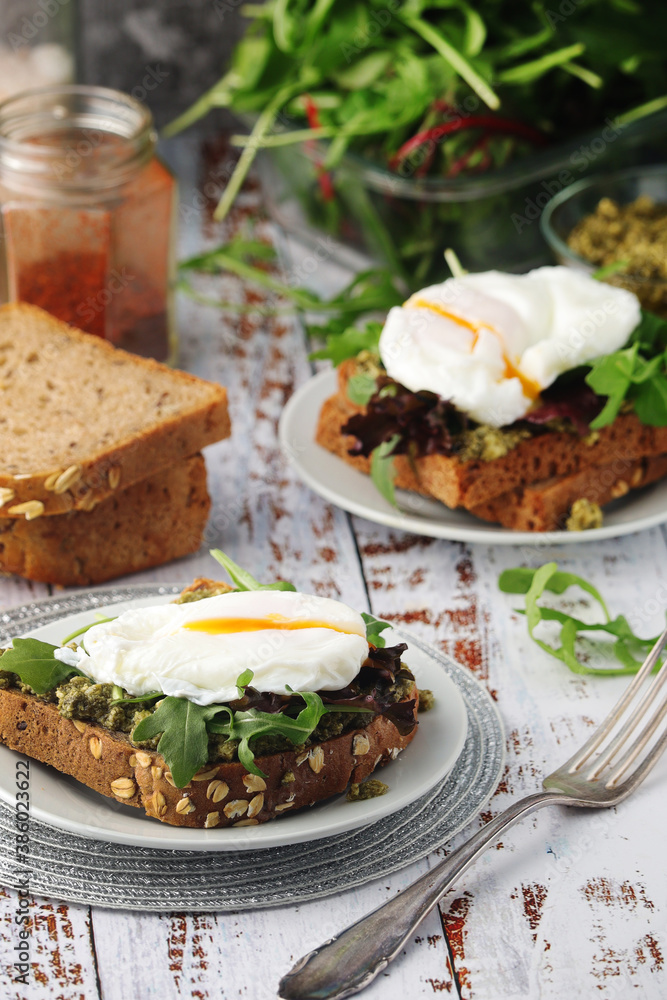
[[546, 506], [80, 418], [151, 522], [219, 795], [473, 483]]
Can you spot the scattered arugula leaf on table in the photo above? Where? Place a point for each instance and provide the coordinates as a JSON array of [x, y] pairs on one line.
[[533, 583]]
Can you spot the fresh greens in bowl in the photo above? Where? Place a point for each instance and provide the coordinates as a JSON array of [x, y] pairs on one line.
[[393, 101]]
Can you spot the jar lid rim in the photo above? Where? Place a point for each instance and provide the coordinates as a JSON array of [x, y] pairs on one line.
[[95, 112]]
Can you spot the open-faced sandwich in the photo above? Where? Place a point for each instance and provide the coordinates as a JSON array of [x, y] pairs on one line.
[[228, 707], [530, 400]]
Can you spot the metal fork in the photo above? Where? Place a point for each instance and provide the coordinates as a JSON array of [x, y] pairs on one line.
[[592, 777]]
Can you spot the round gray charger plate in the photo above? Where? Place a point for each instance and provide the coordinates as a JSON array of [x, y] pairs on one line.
[[80, 870]]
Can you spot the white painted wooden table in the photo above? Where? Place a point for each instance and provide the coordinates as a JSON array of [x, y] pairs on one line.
[[571, 904]]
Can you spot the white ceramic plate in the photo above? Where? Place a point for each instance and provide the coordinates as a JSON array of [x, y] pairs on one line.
[[344, 486], [66, 804]]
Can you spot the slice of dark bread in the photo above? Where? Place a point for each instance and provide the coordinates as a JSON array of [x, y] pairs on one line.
[[546, 506], [81, 419], [219, 795], [152, 522]]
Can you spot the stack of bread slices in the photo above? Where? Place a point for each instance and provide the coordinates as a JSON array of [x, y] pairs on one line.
[[100, 467]]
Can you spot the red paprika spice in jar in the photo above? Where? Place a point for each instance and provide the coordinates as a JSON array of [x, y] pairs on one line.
[[88, 214]]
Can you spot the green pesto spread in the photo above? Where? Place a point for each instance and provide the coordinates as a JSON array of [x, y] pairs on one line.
[[584, 515], [487, 443], [372, 788], [426, 700]]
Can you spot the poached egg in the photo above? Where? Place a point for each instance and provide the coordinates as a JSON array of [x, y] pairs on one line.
[[491, 342], [198, 650]]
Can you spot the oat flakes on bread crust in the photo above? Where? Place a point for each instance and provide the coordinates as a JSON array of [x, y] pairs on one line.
[[71, 438]]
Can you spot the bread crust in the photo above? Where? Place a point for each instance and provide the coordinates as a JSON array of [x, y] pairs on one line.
[[152, 522], [472, 484], [138, 455], [546, 506], [220, 795]]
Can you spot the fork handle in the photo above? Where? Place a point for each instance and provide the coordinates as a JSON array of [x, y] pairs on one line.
[[350, 961]]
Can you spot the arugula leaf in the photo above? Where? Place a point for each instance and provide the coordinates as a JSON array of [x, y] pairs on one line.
[[629, 374], [349, 343], [184, 739], [383, 470], [33, 661], [244, 580], [360, 388], [248, 725], [80, 631], [534, 582], [651, 334], [243, 680], [373, 628]]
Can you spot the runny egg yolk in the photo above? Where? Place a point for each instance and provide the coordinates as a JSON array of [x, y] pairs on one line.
[[531, 389], [220, 626]]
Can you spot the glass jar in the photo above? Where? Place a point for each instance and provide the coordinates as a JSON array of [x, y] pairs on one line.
[[87, 215], [38, 44]]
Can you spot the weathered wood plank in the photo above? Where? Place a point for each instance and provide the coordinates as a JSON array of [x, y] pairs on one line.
[[220, 956], [62, 961], [451, 598]]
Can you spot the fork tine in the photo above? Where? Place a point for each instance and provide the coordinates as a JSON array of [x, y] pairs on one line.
[[637, 716], [605, 727], [638, 745], [646, 766]]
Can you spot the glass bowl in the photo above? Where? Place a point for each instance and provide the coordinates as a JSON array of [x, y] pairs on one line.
[[407, 222], [568, 207]]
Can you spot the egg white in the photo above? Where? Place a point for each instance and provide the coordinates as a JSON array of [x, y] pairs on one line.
[[544, 322], [151, 649]]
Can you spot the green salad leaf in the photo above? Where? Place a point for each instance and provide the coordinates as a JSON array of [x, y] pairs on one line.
[[371, 291], [84, 628], [248, 725], [361, 387], [33, 661], [244, 580], [383, 470], [349, 342], [374, 626], [184, 739], [243, 680], [628, 648], [636, 374]]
